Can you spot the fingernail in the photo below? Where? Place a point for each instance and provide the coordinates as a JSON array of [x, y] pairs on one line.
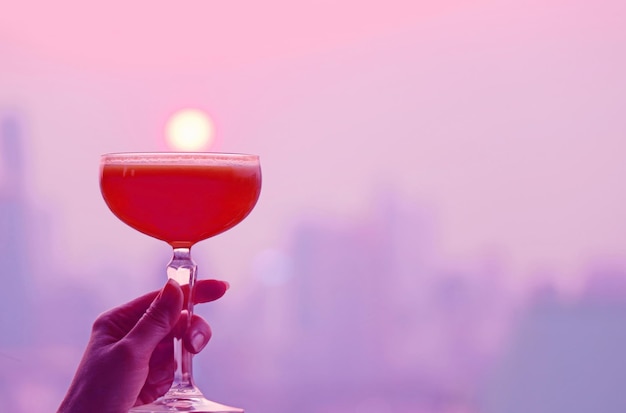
[[227, 284], [167, 295], [198, 341]]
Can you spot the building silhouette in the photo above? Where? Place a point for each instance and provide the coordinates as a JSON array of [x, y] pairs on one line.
[[362, 311], [14, 309]]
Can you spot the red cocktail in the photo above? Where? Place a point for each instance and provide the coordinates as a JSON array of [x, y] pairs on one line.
[[180, 202], [181, 198]]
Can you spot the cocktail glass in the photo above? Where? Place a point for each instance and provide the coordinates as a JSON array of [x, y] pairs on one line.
[[181, 198]]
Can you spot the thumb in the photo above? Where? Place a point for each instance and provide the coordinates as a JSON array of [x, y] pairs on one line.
[[159, 319]]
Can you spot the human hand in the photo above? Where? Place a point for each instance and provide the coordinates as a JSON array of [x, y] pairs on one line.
[[129, 359]]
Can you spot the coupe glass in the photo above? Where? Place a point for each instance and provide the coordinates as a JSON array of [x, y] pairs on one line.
[[181, 198]]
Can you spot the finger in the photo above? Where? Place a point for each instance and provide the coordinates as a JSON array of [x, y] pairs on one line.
[[197, 335], [181, 326], [159, 319], [161, 372], [121, 319], [206, 291]]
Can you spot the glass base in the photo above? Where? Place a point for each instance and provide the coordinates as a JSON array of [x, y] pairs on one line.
[[179, 402]]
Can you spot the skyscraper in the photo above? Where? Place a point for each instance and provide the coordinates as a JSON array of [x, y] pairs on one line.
[[13, 211]]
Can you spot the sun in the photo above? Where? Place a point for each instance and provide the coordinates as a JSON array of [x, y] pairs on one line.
[[189, 130]]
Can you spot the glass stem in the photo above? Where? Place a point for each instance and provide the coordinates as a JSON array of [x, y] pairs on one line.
[[183, 270]]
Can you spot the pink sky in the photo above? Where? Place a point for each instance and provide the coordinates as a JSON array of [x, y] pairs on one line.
[[149, 36], [505, 118]]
